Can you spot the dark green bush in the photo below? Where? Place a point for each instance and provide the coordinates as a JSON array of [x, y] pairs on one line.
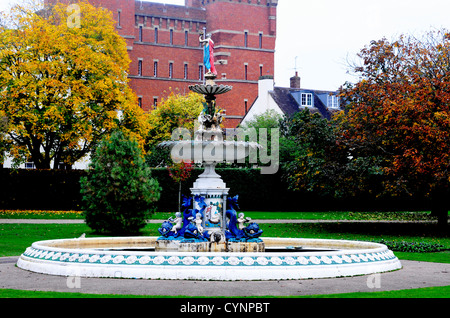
[[118, 192], [413, 247]]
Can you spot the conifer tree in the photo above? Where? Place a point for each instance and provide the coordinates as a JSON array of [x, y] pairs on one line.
[[118, 193]]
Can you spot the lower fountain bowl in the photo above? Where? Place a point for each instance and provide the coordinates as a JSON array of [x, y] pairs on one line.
[[135, 257]]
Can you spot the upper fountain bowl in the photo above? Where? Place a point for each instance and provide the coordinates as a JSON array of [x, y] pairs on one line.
[[210, 90], [210, 151]]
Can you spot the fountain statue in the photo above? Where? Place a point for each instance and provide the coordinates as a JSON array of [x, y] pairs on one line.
[[206, 214]]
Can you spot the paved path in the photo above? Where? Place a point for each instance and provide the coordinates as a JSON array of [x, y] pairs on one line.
[[413, 275]]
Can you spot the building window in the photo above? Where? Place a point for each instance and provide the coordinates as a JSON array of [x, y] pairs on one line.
[[155, 69], [30, 165], [156, 35], [171, 37], [246, 39], [186, 38], [140, 102], [333, 102], [200, 72], [260, 70], [246, 72], [185, 71], [118, 18], [246, 105], [140, 34], [170, 70], [140, 68], [307, 100], [260, 40], [155, 102]]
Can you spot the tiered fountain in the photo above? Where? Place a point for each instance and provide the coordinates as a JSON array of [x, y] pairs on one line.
[[207, 225], [208, 241]]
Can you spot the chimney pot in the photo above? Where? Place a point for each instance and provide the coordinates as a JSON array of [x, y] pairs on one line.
[[295, 81]]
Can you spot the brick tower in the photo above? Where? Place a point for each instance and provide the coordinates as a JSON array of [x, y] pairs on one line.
[[244, 33], [162, 42]]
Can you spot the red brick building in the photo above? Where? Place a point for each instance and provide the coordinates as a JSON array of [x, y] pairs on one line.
[[166, 55]]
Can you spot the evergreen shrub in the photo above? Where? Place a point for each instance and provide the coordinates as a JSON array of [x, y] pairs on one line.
[[119, 193]]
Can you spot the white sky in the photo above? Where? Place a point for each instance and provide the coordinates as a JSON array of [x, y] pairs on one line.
[[323, 34]]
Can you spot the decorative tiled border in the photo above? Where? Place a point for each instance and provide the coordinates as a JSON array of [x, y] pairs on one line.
[[152, 259], [83, 257]]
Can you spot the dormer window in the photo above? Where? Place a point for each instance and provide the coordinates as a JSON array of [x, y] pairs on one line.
[[333, 101], [307, 100]]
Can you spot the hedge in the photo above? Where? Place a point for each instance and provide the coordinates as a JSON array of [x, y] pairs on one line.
[[40, 189], [59, 190]]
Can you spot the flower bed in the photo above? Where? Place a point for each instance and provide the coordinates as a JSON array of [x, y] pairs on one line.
[[40, 214]]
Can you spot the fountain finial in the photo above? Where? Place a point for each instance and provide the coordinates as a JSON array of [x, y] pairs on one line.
[[210, 119], [208, 55]]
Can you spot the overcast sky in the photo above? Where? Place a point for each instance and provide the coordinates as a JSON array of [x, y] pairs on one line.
[[323, 34]]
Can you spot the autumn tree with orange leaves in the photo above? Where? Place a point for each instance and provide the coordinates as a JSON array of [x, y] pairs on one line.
[[398, 114], [64, 83]]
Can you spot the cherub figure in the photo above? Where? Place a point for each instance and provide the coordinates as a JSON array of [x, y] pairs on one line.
[[199, 223], [242, 220], [178, 222]]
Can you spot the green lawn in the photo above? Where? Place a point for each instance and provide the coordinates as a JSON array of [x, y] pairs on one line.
[[430, 292], [337, 215]]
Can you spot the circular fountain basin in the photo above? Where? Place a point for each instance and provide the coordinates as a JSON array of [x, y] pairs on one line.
[[135, 257]]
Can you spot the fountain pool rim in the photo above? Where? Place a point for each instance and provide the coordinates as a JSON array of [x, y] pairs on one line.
[[109, 258]]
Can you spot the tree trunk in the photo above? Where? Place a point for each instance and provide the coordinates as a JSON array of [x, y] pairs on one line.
[[440, 206], [179, 197]]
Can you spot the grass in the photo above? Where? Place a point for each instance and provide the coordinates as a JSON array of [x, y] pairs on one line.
[[333, 215], [429, 292]]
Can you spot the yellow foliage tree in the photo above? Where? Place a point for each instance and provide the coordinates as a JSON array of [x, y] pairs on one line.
[[177, 111], [64, 84]]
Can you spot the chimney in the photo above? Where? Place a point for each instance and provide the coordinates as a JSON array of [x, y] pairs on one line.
[[295, 81], [265, 84]]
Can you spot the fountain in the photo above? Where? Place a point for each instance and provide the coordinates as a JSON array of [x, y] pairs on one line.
[[209, 240], [207, 225]]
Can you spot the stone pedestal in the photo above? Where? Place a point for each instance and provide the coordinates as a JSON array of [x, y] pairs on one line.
[[188, 246], [182, 246], [211, 186], [246, 247]]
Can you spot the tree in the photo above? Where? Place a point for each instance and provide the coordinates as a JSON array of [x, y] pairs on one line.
[[118, 193], [268, 119], [399, 114], [315, 160], [309, 163], [64, 83], [3, 144], [179, 173], [264, 129], [177, 111]]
